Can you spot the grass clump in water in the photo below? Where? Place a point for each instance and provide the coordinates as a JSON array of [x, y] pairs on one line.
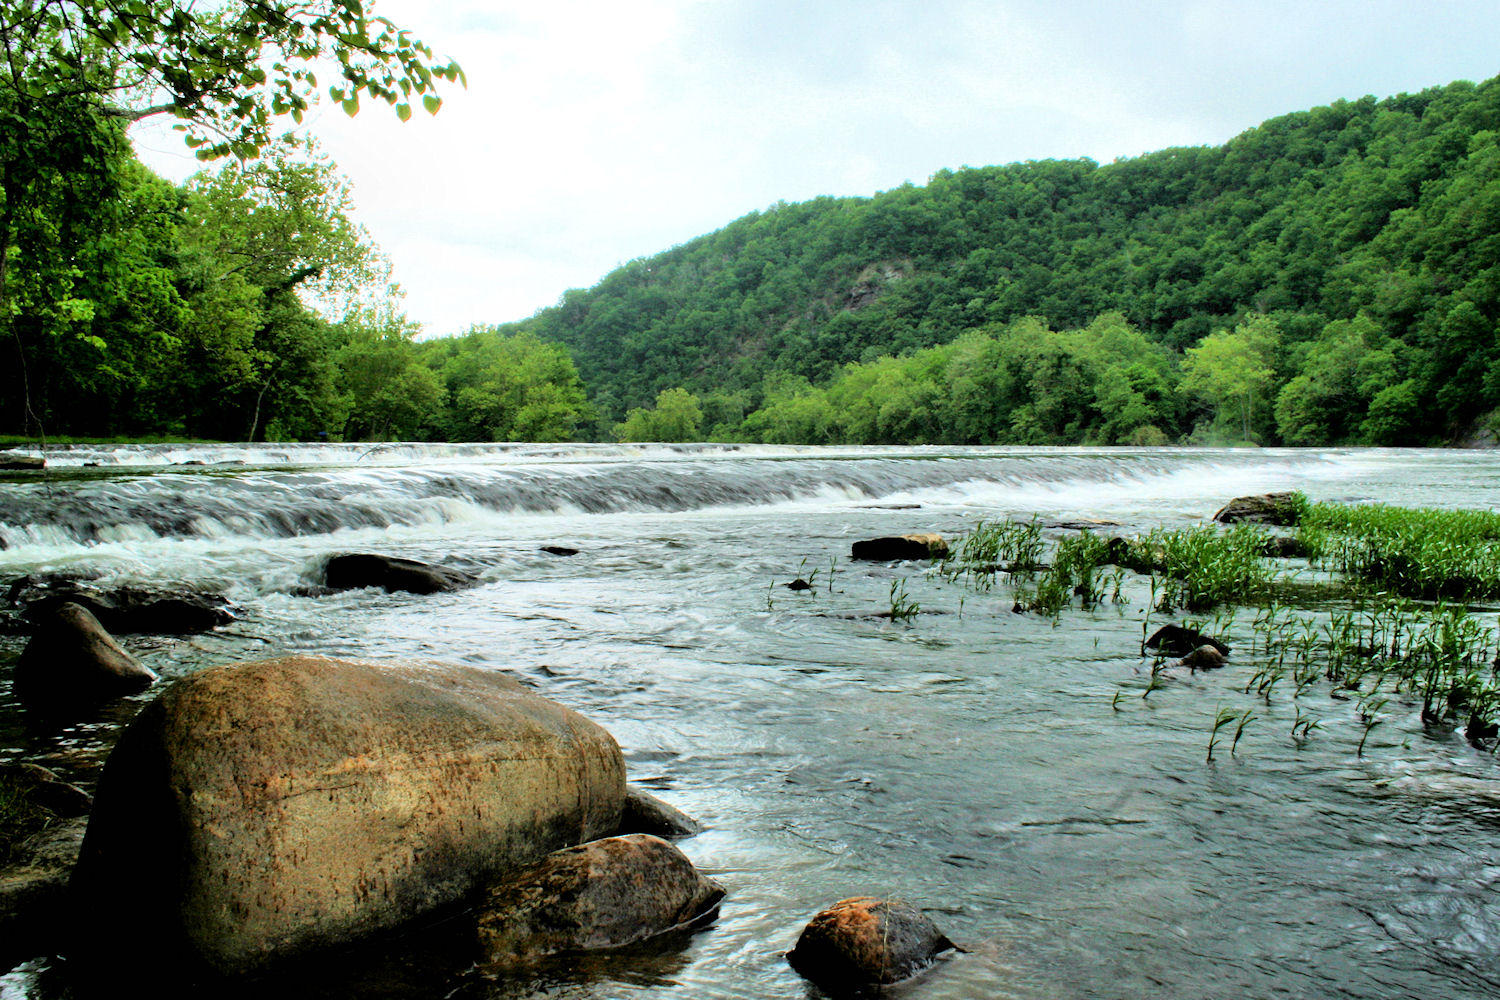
[[1415, 552], [995, 547], [1202, 566]]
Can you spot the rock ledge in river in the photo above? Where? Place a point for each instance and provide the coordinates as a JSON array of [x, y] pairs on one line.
[[391, 573], [1280, 509]]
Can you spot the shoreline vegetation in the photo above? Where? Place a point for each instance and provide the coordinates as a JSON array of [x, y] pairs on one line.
[[1324, 278]]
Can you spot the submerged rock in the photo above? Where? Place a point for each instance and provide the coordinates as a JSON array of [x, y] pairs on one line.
[[799, 584], [390, 573], [605, 894], [1283, 547], [1267, 508], [559, 550], [867, 941], [72, 663], [1175, 640], [897, 547], [645, 813], [259, 811]]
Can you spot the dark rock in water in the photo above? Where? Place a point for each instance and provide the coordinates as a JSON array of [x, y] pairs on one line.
[[71, 662], [352, 572], [260, 811], [15, 461], [559, 550], [897, 547], [1267, 508], [799, 584], [1204, 658], [44, 788], [35, 905], [867, 941], [129, 610], [891, 506], [645, 813], [1283, 547], [1174, 640], [605, 894]]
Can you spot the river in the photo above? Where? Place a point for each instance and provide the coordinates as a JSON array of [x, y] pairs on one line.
[[1000, 769]]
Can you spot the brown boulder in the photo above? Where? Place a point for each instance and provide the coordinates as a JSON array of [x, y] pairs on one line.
[[258, 811], [606, 894], [867, 941], [18, 461], [71, 662], [898, 547]]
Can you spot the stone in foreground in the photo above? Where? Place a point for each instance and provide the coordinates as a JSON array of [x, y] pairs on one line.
[[1204, 658], [867, 941], [259, 811], [610, 893], [1280, 509], [71, 663], [898, 547]]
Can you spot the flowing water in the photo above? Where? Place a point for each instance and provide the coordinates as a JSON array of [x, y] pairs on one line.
[[1001, 770]]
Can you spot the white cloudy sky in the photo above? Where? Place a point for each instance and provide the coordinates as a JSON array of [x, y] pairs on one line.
[[596, 131]]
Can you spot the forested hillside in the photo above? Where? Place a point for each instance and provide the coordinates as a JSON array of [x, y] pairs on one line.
[[1330, 276]]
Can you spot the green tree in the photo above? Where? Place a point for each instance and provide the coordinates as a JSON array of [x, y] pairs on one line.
[[676, 417], [1233, 370]]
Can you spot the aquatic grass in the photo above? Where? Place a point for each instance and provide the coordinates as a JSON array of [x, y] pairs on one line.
[[992, 548], [1203, 566], [1416, 552], [903, 608]]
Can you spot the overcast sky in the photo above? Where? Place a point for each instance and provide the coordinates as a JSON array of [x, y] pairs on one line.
[[594, 132]]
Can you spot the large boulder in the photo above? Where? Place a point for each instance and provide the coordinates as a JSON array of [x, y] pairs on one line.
[[897, 547], [263, 810], [606, 894], [866, 941], [72, 663], [390, 573], [1284, 509]]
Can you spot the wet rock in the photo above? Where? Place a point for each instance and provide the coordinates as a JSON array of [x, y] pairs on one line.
[[605, 894], [259, 811], [898, 547], [1175, 640], [45, 789], [128, 610], [352, 572], [16, 461], [645, 813], [34, 899], [71, 662], [799, 584], [1282, 509], [1204, 658], [1083, 524], [867, 941], [559, 550]]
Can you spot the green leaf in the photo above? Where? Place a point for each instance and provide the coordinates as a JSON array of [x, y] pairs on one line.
[[351, 106], [403, 111], [432, 102]]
